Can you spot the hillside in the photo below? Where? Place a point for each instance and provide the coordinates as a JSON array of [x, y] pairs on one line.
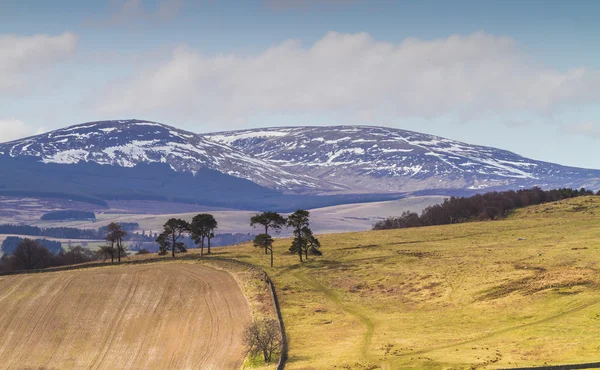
[[382, 159], [155, 316], [517, 292], [524, 291], [127, 143], [273, 168]]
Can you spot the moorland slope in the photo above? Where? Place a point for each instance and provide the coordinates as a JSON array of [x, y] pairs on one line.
[[517, 292]]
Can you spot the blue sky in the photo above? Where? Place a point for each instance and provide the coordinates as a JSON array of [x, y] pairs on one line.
[[518, 75]]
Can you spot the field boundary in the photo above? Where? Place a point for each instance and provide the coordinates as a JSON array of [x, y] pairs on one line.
[[590, 365], [284, 342], [188, 257]]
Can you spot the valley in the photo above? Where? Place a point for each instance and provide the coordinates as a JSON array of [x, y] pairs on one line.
[[152, 215]]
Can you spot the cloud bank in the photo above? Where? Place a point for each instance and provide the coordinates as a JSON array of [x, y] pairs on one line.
[[354, 75], [24, 60], [12, 129]]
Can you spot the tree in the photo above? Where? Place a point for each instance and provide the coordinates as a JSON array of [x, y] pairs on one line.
[[263, 337], [299, 222], [163, 244], [173, 232], [268, 220], [108, 251], [115, 235], [298, 246], [75, 255], [202, 227], [30, 255], [265, 241], [311, 244]]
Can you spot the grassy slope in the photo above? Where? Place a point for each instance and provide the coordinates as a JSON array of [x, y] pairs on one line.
[[446, 297]]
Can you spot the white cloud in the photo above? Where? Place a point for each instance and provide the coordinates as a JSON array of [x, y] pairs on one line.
[[24, 60], [475, 75], [12, 129]]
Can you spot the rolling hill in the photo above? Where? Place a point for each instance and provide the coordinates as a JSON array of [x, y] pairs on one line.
[[382, 159], [520, 292], [524, 291], [280, 169]]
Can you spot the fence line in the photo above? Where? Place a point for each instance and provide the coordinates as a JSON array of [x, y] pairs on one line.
[[591, 365]]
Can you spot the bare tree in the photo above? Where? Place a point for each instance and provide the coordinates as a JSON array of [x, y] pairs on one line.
[[108, 251], [30, 255], [263, 336], [115, 235]]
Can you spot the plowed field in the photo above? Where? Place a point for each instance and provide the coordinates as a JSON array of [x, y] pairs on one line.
[[156, 316]]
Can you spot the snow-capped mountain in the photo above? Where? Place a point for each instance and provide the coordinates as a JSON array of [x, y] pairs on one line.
[[294, 160], [378, 159], [130, 142]]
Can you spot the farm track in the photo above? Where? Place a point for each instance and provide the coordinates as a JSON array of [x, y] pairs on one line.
[[156, 316], [349, 309]]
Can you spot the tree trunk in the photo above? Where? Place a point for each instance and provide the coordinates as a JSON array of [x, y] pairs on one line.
[[119, 251], [306, 253], [266, 232], [209, 245], [300, 254], [173, 246], [271, 256], [202, 247]]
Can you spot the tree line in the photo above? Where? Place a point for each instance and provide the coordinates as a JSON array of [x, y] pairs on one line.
[[480, 207], [73, 233], [304, 241], [68, 215], [42, 253], [202, 227]]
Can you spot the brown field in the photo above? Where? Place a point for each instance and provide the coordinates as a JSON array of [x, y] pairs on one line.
[[156, 316]]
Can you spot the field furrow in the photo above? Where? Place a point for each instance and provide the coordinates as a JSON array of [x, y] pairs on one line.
[[161, 316]]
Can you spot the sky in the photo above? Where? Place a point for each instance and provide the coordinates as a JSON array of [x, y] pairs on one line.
[[517, 75]]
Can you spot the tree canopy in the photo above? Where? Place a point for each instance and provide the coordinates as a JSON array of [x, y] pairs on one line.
[[170, 238], [203, 227]]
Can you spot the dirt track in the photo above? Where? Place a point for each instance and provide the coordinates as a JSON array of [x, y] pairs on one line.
[[160, 316]]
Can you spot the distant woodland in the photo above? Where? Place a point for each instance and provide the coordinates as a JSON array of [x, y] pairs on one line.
[[480, 207], [68, 215]]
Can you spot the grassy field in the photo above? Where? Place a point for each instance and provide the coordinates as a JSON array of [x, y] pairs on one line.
[[517, 292], [151, 316], [524, 291]]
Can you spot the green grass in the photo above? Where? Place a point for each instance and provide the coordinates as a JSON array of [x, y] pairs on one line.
[[455, 296]]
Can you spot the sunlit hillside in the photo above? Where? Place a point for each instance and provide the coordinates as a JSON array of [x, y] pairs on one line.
[[522, 291]]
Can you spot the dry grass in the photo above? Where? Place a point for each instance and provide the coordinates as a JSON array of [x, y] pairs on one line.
[[518, 292], [523, 291]]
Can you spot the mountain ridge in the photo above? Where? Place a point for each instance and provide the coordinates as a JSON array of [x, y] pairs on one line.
[[344, 163], [387, 159]]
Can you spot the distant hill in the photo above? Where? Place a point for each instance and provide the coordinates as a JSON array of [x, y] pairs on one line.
[[275, 168], [381, 159]]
